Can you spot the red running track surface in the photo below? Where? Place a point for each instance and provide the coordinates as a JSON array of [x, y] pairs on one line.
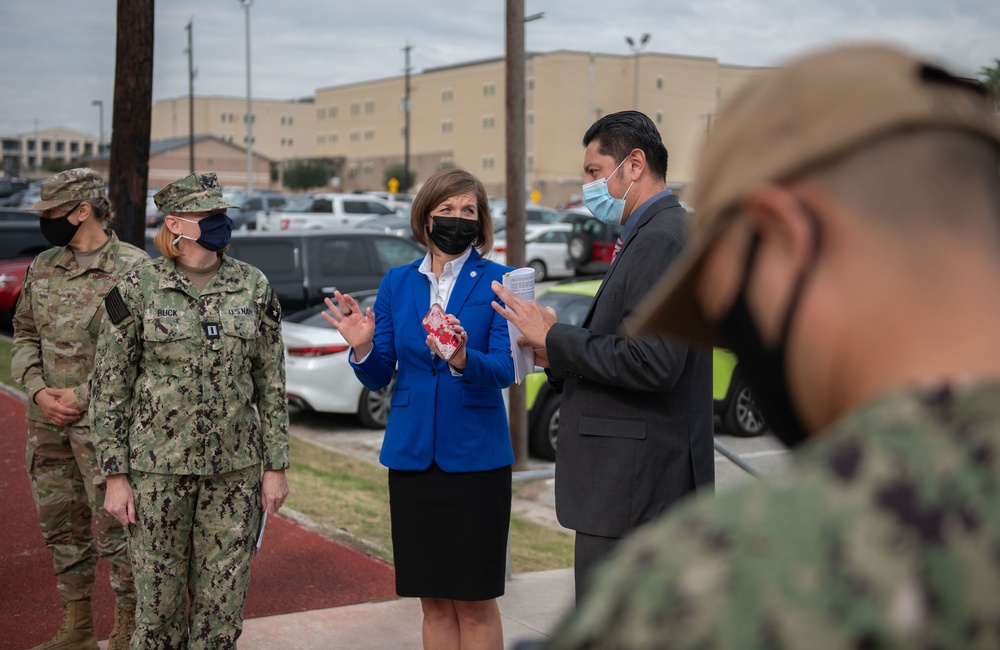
[[296, 570]]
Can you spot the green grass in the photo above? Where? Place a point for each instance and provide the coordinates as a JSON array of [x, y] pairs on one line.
[[348, 500], [5, 377]]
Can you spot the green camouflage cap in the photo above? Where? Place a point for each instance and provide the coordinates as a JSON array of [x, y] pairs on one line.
[[72, 185], [193, 193]]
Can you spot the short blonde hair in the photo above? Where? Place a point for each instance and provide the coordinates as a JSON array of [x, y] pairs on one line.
[[164, 241], [442, 186]]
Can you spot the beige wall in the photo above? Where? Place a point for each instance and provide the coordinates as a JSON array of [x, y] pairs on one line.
[[210, 155], [281, 129], [455, 119], [54, 144]]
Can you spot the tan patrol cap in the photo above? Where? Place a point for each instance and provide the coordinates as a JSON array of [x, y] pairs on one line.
[[794, 118], [72, 185]]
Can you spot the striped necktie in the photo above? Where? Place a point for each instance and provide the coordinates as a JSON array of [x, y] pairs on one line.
[[618, 248]]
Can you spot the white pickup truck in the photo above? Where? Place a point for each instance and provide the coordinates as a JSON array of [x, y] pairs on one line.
[[327, 210]]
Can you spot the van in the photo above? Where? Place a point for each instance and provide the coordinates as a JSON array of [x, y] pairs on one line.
[[326, 210]]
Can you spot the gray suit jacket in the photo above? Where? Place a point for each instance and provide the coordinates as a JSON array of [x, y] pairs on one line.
[[636, 425]]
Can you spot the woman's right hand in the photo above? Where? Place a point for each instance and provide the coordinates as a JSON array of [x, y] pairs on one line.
[[357, 328]]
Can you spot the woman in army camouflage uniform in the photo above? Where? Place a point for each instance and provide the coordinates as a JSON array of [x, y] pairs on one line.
[[189, 405], [55, 337]]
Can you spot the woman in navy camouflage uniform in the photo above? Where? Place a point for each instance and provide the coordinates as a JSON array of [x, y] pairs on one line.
[[189, 408]]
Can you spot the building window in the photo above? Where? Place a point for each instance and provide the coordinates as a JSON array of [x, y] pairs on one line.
[[355, 135], [489, 89], [369, 134], [282, 121], [659, 117], [369, 168], [321, 114], [489, 162], [60, 147], [46, 146], [74, 147], [290, 142], [489, 122], [531, 162], [289, 120], [531, 83], [447, 126], [355, 109], [224, 116], [333, 137], [232, 118], [531, 117], [445, 162], [352, 171], [659, 83], [447, 95], [282, 142], [332, 112], [369, 107]]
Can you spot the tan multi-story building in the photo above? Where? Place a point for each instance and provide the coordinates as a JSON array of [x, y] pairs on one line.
[[457, 117], [282, 130], [25, 153]]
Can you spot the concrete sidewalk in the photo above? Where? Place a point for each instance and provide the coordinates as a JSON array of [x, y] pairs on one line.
[[531, 608]]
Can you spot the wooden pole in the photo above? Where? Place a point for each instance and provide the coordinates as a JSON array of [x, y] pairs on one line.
[[131, 119], [515, 150]]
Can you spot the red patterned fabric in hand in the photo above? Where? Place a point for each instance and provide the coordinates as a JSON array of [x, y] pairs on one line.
[[436, 324]]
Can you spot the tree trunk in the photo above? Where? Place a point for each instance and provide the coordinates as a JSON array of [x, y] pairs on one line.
[[131, 119]]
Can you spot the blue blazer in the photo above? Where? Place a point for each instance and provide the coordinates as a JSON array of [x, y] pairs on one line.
[[459, 422]]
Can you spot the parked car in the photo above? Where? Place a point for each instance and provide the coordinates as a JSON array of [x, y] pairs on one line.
[[18, 214], [303, 267], [245, 217], [318, 375], [544, 249], [392, 224], [533, 214], [20, 241], [592, 242], [739, 415], [323, 211]]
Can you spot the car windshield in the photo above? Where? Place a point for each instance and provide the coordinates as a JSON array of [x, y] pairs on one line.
[[300, 204], [571, 307]]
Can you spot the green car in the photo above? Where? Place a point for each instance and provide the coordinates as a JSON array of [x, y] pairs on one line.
[[738, 414]]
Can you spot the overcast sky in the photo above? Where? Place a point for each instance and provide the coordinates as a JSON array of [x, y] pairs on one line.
[[59, 55]]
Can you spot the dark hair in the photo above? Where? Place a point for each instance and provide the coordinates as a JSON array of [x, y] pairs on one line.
[[442, 186], [620, 133]]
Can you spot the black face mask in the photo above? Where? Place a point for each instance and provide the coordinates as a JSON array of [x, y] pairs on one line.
[[453, 235], [59, 231], [764, 366]]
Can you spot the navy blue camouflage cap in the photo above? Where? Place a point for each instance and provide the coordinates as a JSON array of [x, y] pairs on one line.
[[193, 193]]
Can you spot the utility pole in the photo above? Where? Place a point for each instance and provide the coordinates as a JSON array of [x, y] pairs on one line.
[[636, 49], [131, 117], [190, 53], [515, 128], [405, 187], [246, 5]]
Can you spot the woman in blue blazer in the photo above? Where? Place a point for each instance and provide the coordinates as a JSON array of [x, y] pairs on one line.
[[447, 443]]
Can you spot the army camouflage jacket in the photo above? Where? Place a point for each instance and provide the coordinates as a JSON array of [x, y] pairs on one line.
[[59, 316], [188, 382], [888, 536]]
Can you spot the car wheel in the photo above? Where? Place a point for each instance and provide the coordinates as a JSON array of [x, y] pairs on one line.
[[742, 417], [373, 406], [539, 268], [546, 430], [578, 248]]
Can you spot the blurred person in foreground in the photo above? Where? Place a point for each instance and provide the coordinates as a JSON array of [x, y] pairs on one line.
[[191, 421], [636, 424], [56, 325], [447, 443], [847, 248]]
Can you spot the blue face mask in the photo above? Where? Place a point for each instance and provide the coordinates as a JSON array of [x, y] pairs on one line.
[[599, 201], [216, 231]]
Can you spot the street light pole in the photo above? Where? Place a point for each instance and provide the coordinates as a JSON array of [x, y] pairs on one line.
[[249, 116], [100, 116], [636, 49]]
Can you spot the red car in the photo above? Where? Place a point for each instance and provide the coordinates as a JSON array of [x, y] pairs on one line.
[[20, 241]]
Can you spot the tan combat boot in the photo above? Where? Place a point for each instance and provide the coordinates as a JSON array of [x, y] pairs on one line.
[[121, 633], [77, 631]]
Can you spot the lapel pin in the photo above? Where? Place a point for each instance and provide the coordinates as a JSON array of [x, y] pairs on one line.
[[473, 274]]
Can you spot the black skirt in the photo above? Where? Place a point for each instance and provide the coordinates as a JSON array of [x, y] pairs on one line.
[[449, 532]]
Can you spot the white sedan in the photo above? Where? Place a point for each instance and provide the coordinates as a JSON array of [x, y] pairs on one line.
[[544, 249], [318, 375]]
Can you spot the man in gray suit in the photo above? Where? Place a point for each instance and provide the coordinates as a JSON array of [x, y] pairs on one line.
[[636, 426]]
